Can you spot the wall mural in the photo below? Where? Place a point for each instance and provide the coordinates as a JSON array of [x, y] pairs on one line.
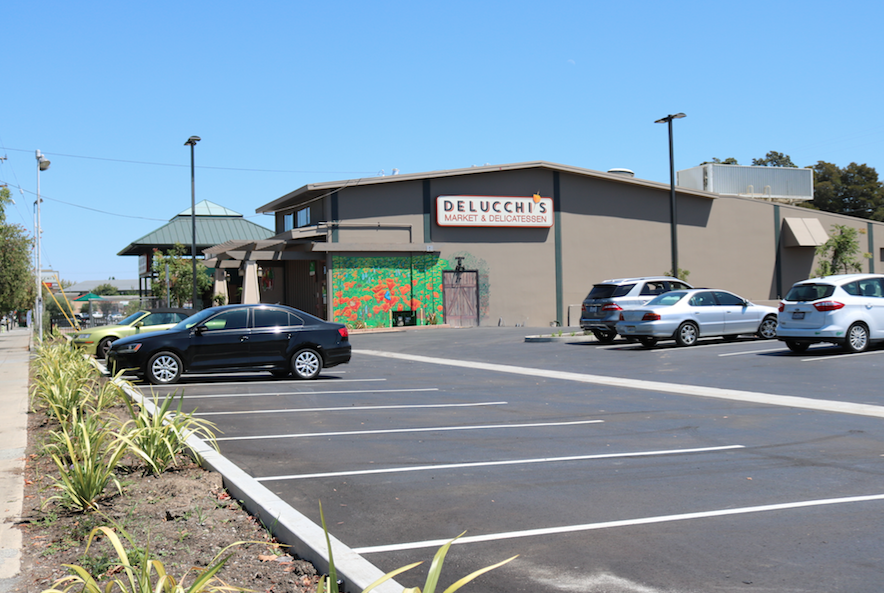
[[368, 291]]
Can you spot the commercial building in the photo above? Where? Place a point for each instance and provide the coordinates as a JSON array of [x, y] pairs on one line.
[[516, 244]]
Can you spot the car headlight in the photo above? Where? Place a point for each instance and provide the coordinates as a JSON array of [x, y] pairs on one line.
[[81, 337], [128, 348]]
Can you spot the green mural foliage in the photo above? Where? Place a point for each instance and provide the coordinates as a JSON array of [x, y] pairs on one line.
[[366, 290]]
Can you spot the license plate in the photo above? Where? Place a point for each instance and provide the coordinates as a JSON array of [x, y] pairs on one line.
[[593, 308], [797, 314]]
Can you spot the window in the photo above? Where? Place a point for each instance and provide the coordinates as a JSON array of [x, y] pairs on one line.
[[673, 285], [653, 288], [304, 217], [702, 299], [232, 319], [872, 287], [726, 298], [287, 222], [271, 318]]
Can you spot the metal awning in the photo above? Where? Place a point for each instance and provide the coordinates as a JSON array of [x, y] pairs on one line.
[[803, 232]]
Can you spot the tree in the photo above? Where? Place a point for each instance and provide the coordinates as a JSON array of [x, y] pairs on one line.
[[838, 255], [106, 289], [853, 190], [180, 275], [774, 159], [717, 161], [17, 281]]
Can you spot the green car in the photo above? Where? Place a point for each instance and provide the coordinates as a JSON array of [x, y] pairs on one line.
[[97, 340]]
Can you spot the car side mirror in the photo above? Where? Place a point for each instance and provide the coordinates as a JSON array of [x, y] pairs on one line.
[[745, 303], [139, 324], [198, 330]]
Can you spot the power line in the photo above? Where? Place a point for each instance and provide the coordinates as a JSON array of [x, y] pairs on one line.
[[96, 158]]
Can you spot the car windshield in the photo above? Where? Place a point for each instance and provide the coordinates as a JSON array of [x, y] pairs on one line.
[[189, 322], [810, 292], [667, 299], [131, 319], [607, 291]]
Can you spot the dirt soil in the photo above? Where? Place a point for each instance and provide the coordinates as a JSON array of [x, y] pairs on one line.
[[184, 516]]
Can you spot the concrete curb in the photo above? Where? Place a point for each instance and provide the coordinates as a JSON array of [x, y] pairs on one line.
[[304, 537], [565, 337]]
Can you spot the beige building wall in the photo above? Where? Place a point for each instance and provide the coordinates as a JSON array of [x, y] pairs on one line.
[[609, 228]]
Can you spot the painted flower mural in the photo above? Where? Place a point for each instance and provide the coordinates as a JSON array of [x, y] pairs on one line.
[[370, 289]]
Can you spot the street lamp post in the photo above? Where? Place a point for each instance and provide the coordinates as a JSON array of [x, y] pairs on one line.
[[673, 214], [191, 142], [42, 165]]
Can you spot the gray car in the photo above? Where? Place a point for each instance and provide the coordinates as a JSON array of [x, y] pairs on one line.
[[688, 315], [607, 299]]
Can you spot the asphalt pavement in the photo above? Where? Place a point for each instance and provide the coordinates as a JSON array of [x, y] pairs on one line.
[[14, 363]]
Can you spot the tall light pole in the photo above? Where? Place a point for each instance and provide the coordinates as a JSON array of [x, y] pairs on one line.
[[42, 165], [673, 214], [191, 142]]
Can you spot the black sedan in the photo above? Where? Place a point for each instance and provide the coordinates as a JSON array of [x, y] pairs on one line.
[[275, 338]]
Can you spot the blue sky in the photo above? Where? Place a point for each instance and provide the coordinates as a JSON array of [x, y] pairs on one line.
[[288, 93]]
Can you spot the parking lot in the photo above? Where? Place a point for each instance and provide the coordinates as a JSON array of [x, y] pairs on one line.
[[728, 466]]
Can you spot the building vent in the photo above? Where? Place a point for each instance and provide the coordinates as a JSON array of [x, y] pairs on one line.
[[624, 172]]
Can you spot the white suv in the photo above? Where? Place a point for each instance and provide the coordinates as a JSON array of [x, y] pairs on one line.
[[601, 307], [847, 309]]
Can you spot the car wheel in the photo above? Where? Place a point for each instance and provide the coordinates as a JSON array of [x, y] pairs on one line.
[[104, 346], [686, 334], [857, 338], [768, 328], [306, 364], [648, 342], [163, 368], [605, 337], [280, 373], [797, 347]]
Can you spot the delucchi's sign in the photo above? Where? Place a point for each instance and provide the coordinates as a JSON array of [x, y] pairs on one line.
[[510, 211]]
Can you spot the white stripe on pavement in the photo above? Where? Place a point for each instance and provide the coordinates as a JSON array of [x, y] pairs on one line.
[[401, 430], [217, 395], [609, 524], [791, 401], [354, 408], [418, 468]]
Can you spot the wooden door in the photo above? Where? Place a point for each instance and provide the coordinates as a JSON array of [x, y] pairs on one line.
[[460, 291]]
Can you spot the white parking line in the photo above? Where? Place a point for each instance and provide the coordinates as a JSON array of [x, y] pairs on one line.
[[791, 401], [623, 523], [353, 408], [755, 352], [217, 395], [841, 356], [403, 430], [275, 382], [419, 468]]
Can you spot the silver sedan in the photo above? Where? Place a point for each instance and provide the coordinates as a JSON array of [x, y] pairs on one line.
[[688, 315]]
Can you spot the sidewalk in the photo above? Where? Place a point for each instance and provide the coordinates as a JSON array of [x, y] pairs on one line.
[[14, 364]]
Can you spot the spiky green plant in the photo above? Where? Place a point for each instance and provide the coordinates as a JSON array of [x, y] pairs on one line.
[[64, 381], [329, 583], [146, 574], [86, 455], [162, 436]]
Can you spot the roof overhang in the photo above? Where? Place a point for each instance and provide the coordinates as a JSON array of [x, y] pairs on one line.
[[315, 191]]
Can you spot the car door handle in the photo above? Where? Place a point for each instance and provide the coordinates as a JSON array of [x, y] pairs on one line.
[[244, 339]]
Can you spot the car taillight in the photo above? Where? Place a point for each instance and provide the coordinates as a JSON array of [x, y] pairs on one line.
[[782, 307], [344, 333], [828, 305], [612, 307], [651, 317]]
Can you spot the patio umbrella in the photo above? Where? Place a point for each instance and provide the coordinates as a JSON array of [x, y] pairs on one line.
[[89, 296]]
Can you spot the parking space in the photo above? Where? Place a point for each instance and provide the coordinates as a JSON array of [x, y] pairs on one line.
[[722, 467]]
